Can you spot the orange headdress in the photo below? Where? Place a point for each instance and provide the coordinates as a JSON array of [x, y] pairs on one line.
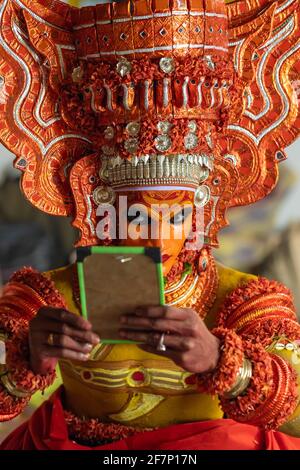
[[192, 94]]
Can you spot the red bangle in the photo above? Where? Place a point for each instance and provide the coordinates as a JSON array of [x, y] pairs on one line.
[[10, 406], [41, 285], [18, 366], [222, 379], [11, 322], [272, 394]]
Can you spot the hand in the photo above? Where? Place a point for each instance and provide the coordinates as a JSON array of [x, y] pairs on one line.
[[72, 339], [188, 341]]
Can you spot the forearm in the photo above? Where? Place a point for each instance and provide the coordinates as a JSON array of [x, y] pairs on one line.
[[23, 296], [261, 315]]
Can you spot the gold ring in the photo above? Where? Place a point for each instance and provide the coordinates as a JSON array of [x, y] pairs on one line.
[[50, 339]]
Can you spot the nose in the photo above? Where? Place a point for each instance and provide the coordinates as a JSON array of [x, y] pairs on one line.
[[153, 243]]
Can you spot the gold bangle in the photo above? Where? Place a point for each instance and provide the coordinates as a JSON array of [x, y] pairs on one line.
[[12, 388], [3, 369], [242, 381], [3, 336]]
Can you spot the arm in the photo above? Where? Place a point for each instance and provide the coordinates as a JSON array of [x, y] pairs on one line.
[[262, 315], [23, 297], [238, 360], [32, 311]]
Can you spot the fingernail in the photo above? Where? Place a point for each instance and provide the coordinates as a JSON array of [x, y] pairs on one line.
[[84, 357], [96, 339], [88, 346]]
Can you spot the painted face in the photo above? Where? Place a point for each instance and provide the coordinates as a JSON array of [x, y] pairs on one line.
[[157, 219]]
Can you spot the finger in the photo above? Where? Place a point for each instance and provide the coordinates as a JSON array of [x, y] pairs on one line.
[[163, 311], [174, 342], [141, 323], [67, 317], [51, 326], [175, 356], [64, 341], [63, 353]]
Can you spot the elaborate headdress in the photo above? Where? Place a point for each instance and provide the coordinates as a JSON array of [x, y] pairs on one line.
[[186, 93]]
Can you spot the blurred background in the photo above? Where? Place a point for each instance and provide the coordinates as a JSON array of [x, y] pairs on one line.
[[28, 237]]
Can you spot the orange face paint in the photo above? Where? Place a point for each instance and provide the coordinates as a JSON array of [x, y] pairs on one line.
[[158, 218]]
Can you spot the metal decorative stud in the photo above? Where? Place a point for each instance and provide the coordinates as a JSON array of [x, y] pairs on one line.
[[77, 74], [209, 141], [210, 63], [131, 145], [104, 195], [107, 150], [202, 196], [162, 143], [164, 127], [192, 126], [92, 179], [104, 173], [231, 158], [190, 141], [133, 128], [167, 65], [123, 67], [109, 133]]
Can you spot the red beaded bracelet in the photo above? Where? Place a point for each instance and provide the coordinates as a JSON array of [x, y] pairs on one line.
[[19, 374], [224, 376]]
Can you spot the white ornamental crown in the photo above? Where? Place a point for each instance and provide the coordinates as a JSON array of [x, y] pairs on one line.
[[180, 170]]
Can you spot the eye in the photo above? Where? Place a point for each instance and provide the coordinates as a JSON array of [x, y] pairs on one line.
[[140, 218], [180, 217]]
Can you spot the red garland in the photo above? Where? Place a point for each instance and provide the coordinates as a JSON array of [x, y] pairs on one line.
[[272, 394], [18, 366], [17, 348], [253, 289], [268, 329], [10, 406], [10, 322], [95, 433], [145, 68], [222, 379], [42, 285]]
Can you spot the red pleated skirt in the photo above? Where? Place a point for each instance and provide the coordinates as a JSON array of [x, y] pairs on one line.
[[47, 430]]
